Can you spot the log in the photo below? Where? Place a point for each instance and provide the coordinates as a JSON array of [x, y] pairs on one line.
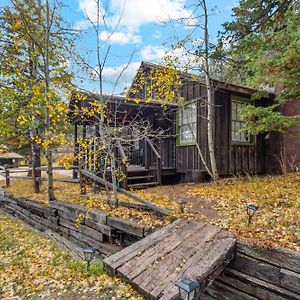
[[127, 193]]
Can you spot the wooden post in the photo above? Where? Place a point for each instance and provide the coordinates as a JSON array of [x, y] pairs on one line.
[[159, 164], [7, 180], [76, 152], [84, 156]]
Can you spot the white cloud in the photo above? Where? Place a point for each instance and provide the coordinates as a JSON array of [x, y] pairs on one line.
[[129, 15], [111, 74], [135, 13], [153, 53], [120, 37]]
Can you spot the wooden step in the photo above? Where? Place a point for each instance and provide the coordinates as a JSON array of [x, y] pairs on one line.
[[142, 185], [140, 177]]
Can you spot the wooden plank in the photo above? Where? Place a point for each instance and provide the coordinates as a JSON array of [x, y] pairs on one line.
[[205, 265], [66, 244], [73, 210], [99, 227], [190, 249], [177, 262], [156, 253], [126, 226], [255, 287], [128, 253], [280, 257], [222, 291], [290, 281], [256, 268], [134, 197], [101, 247]]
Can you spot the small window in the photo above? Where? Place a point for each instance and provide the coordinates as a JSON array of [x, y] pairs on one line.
[[237, 123], [187, 124]]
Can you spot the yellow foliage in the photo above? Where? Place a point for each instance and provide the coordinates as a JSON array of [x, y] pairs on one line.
[[277, 221]]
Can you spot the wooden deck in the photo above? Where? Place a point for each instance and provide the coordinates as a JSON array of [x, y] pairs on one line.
[[182, 249]]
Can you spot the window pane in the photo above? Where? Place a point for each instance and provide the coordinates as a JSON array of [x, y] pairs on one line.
[[187, 123]]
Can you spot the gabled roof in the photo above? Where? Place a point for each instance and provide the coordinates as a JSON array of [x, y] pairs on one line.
[[11, 155], [219, 85]]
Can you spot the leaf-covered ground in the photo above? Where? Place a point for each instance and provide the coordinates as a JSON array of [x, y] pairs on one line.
[[33, 267], [222, 203]]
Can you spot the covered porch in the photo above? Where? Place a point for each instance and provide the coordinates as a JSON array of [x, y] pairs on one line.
[[145, 160]]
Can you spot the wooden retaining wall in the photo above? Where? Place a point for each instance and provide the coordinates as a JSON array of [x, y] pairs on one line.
[[95, 229], [258, 273], [254, 274]]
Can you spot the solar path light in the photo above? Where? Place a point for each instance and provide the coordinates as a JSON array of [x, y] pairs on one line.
[[187, 289], [89, 254], [251, 210]]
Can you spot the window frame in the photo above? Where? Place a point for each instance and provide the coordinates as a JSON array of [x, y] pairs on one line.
[[252, 138], [179, 125]]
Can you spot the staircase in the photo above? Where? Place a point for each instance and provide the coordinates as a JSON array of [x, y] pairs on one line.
[[139, 177], [144, 167]]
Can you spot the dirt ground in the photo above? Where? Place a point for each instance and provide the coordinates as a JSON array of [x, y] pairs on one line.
[[206, 208]]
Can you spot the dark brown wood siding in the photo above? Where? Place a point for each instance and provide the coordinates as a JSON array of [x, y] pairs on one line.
[[232, 159]]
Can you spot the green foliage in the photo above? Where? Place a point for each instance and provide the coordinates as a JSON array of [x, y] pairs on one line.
[[265, 119], [265, 41]]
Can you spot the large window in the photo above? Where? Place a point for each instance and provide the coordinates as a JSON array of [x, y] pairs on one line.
[[187, 123], [237, 122]]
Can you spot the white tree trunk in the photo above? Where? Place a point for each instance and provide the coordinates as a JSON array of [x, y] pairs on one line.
[[210, 99], [51, 196]]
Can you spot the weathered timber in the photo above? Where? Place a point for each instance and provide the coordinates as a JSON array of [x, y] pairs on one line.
[[219, 290], [72, 211], [89, 232], [126, 226], [64, 243], [257, 268], [256, 287], [68, 180], [115, 261], [290, 281], [101, 247], [107, 230], [277, 256], [182, 249], [127, 193]]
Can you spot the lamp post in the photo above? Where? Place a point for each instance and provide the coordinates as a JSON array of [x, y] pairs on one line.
[[187, 288], [251, 210], [89, 254], [181, 203]]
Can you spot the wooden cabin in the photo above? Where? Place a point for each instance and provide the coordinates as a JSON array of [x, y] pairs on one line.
[[11, 159], [173, 157]]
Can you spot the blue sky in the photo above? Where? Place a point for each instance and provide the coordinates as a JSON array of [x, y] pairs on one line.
[[140, 30]]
